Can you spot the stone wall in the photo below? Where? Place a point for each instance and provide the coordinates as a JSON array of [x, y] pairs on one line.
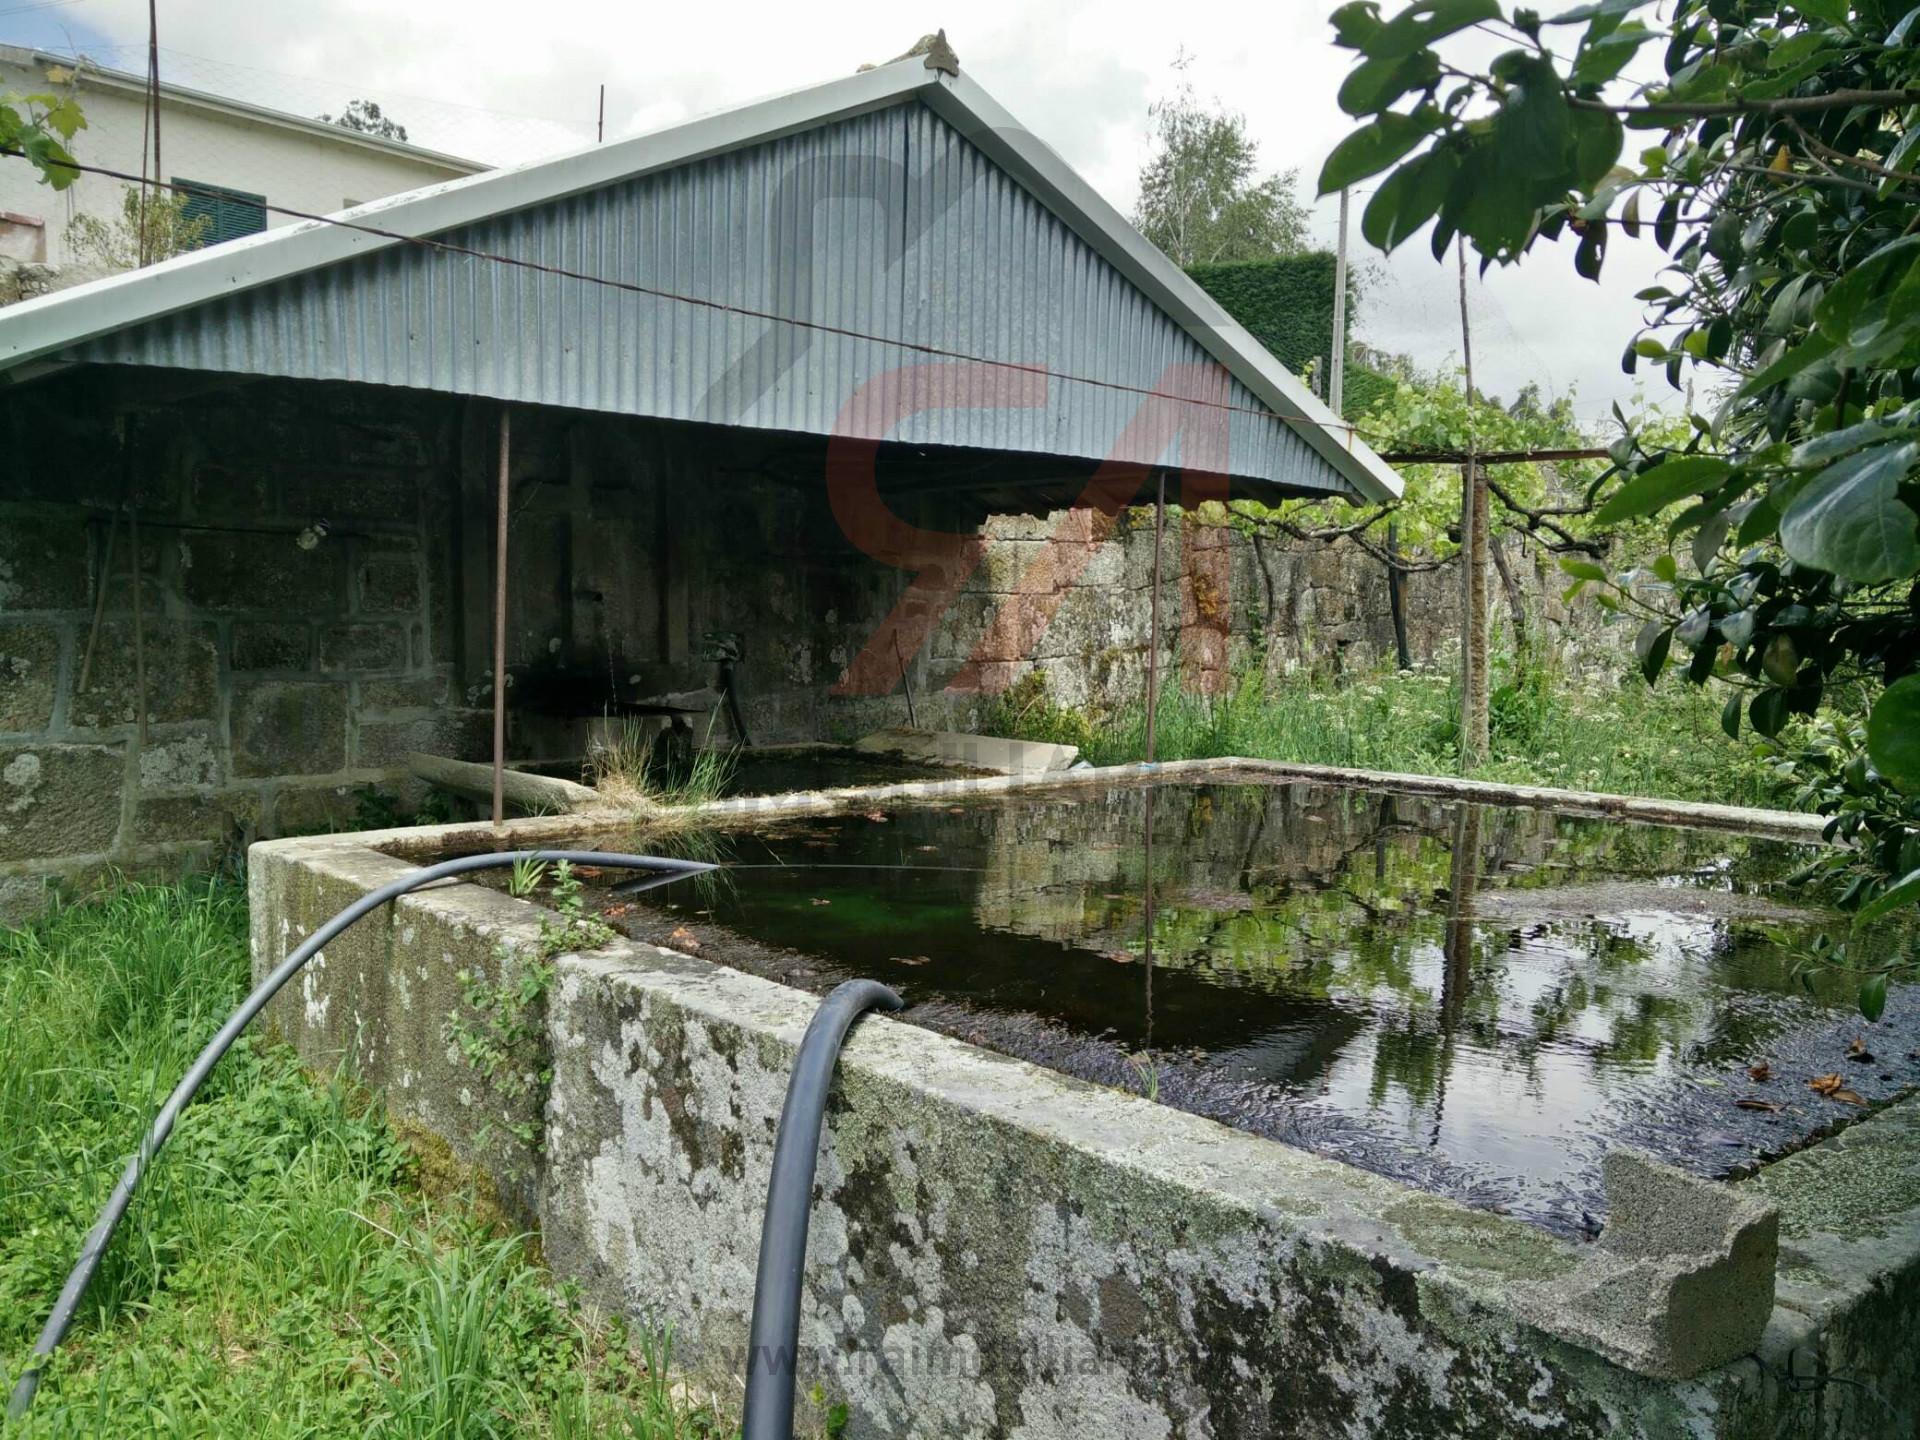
[[262, 674], [1292, 603], [315, 601], [316, 582]]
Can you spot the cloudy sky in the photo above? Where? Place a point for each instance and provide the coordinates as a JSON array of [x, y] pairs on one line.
[[471, 76]]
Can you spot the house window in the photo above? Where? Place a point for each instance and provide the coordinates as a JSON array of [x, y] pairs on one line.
[[233, 212]]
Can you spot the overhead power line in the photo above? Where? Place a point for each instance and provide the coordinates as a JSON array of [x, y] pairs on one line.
[[843, 332], [706, 303]]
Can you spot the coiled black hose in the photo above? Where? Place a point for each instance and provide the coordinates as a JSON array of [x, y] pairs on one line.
[[101, 1235], [773, 1341]]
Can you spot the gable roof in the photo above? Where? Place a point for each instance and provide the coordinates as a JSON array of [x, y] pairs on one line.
[[126, 317]]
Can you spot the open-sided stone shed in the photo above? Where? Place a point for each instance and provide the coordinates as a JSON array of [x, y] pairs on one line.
[[710, 338]]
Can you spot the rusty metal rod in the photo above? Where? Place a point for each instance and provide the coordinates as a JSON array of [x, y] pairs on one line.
[[500, 630], [1153, 610]]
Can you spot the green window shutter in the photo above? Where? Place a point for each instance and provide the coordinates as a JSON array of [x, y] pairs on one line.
[[233, 212]]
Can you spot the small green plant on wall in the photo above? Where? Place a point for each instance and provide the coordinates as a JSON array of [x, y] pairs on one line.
[[500, 1027]]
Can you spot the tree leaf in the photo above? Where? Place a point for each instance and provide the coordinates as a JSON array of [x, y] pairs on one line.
[[1582, 569], [1730, 716], [1374, 147], [1787, 365], [1843, 305], [1597, 141], [1425, 21], [1904, 891], [1373, 85], [1824, 449], [1767, 711], [1651, 491], [1355, 25], [1893, 733], [1592, 252], [1708, 539], [1409, 197], [1873, 1003], [1780, 661], [1650, 648], [1851, 521], [1599, 61]]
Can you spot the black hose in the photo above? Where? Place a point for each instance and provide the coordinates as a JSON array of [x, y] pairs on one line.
[[773, 1342], [101, 1235]]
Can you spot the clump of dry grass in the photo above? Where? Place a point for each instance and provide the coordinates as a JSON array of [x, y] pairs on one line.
[[630, 771]]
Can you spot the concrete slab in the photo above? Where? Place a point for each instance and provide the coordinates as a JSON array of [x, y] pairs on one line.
[[977, 752]]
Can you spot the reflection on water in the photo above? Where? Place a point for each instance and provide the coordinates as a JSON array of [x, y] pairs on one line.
[[1481, 999]]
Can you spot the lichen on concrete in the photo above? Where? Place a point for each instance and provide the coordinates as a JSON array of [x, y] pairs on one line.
[[998, 1249]]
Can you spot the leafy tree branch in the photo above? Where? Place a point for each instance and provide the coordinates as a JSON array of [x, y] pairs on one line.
[[1781, 181]]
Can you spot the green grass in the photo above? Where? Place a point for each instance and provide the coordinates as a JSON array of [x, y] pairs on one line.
[[282, 1272], [631, 767], [1588, 732]]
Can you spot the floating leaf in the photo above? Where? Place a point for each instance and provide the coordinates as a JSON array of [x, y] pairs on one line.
[[1772, 1107], [1761, 1072]]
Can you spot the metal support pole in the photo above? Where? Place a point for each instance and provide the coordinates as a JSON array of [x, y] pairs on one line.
[[500, 630], [1153, 630], [1337, 363], [1397, 598]]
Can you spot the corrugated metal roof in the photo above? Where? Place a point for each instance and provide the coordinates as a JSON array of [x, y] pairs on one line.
[[880, 217]]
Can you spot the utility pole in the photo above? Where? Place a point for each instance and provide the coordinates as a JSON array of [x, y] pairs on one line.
[[153, 66], [1475, 737], [600, 132]]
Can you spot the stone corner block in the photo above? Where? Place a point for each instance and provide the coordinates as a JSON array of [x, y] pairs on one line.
[[1681, 1280]]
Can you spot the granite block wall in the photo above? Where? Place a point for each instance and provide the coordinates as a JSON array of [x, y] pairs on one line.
[[230, 607]]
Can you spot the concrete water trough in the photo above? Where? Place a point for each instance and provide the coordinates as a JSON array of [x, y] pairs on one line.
[[1394, 1152]]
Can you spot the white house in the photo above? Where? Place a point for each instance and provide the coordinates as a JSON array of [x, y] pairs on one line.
[[245, 156]]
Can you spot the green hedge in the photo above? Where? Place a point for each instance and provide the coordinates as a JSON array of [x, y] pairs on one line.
[[1287, 304]]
